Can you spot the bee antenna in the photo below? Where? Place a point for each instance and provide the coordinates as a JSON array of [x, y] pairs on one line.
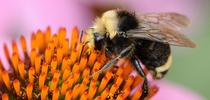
[[81, 35], [83, 45]]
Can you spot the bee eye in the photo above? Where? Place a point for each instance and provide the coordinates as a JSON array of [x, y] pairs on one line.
[[99, 41], [98, 37]]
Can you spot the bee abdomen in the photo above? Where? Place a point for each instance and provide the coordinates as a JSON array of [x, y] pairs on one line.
[[155, 57]]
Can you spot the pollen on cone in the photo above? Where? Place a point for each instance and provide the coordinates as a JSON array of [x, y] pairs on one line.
[[55, 94], [92, 58], [29, 90], [120, 97], [76, 91], [103, 84], [64, 87], [44, 92], [32, 56], [15, 60], [119, 80], [61, 35], [21, 69], [45, 68], [54, 64], [86, 72], [83, 85], [95, 77], [31, 74], [52, 44], [137, 95], [128, 82], [137, 81], [119, 71], [56, 74], [74, 37], [70, 81], [42, 78], [127, 68], [15, 48], [66, 74], [48, 54], [59, 54], [126, 92], [68, 95], [65, 47], [92, 91], [93, 82], [54, 83], [6, 79], [75, 68], [5, 96], [105, 80], [83, 63], [23, 44], [55, 40], [6, 52], [97, 65], [73, 57], [16, 85], [152, 91], [104, 94], [47, 35], [1, 74], [40, 40], [33, 41], [98, 98], [76, 76], [85, 96], [37, 64], [113, 89], [64, 63]]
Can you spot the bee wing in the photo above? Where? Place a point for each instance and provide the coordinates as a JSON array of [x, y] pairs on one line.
[[171, 20], [158, 27]]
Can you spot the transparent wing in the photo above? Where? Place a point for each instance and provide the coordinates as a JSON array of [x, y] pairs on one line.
[[171, 20], [162, 27]]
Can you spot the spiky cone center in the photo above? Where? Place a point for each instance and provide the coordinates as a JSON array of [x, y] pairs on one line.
[[59, 68]]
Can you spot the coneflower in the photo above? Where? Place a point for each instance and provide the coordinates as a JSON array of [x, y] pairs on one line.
[[59, 68]]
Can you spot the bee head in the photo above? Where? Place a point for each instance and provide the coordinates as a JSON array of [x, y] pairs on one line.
[[114, 21], [110, 23]]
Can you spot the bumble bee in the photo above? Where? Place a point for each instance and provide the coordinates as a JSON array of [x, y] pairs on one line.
[[142, 38]]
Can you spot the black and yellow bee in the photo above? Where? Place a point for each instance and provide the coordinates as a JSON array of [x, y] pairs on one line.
[[141, 38]]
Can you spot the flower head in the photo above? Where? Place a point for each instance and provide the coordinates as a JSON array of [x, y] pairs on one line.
[[59, 68]]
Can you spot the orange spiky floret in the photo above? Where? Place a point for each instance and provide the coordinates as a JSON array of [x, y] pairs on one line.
[[59, 68]]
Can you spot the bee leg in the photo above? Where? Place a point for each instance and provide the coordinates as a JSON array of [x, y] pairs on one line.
[[124, 53], [108, 52], [139, 69]]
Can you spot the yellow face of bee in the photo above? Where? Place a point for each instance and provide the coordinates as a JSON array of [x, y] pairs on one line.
[[105, 26], [110, 21]]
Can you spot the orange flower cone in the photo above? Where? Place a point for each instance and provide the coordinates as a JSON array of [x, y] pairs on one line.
[[59, 68]]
